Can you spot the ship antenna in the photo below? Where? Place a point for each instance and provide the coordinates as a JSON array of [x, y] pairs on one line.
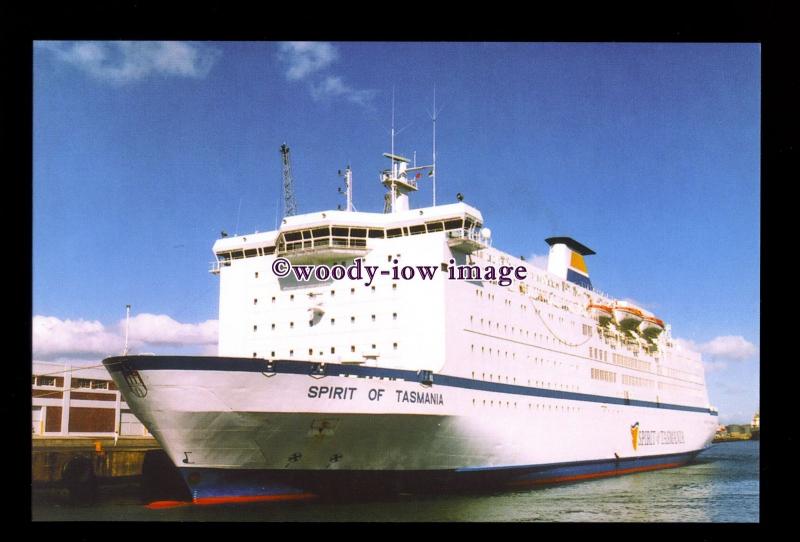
[[348, 183], [393, 175], [127, 327], [433, 116]]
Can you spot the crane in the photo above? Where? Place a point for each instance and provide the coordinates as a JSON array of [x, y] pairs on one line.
[[289, 204]]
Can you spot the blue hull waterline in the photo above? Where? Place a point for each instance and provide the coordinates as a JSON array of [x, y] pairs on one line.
[[234, 484]]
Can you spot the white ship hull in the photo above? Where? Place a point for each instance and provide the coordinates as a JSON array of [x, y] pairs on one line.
[[281, 427]]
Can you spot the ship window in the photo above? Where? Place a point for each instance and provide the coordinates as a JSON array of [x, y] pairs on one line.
[[46, 381], [394, 316], [453, 224], [269, 250], [394, 345], [249, 253], [394, 232], [376, 234], [333, 321], [237, 254], [273, 326], [291, 325], [273, 299], [291, 353], [256, 274], [352, 319], [321, 232], [373, 317], [468, 223], [333, 350], [255, 301], [292, 236], [99, 385], [388, 257], [435, 226], [394, 286], [81, 383], [291, 297], [255, 328], [306, 234], [373, 347], [352, 348], [340, 232], [254, 354], [358, 232], [310, 351], [416, 230]]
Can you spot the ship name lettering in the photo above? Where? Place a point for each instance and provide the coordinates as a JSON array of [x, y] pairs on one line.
[[427, 398], [653, 438], [331, 392]]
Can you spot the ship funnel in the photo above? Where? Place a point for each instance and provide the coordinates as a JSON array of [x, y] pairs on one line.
[[566, 260]]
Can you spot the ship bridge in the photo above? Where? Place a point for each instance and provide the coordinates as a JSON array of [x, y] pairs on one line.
[[331, 236]]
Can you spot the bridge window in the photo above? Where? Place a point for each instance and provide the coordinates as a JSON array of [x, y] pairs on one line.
[[453, 224], [435, 226], [416, 230], [376, 234]]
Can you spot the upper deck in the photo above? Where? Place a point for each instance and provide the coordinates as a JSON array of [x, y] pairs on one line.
[[335, 235]]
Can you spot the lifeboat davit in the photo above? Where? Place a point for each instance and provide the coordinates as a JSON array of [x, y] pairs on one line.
[[601, 313], [627, 316]]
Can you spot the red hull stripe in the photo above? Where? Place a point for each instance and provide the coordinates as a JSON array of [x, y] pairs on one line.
[[254, 498], [602, 474], [204, 501]]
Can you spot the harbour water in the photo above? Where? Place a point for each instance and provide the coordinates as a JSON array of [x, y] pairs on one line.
[[721, 485]]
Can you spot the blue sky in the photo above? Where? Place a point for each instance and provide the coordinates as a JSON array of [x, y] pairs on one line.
[[647, 153]]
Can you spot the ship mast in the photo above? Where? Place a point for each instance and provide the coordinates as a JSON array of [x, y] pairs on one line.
[[396, 179]]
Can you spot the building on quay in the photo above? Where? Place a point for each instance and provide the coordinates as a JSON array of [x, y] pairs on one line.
[[75, 401]]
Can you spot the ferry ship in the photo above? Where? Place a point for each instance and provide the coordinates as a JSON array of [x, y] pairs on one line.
[[464, 376]]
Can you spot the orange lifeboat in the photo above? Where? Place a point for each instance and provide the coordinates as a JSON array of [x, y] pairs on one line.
[[651, 326], [601, 313], [627, 316]]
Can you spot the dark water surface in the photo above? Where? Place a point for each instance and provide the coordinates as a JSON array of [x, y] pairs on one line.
[[722, 485]]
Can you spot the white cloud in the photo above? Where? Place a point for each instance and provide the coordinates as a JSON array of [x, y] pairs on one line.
[[56, 339], [333, 87], [538, 260], [306, 57], [160, 329], [720, 350], [308, 61], [121, 62], [729, 347], [72, 339]]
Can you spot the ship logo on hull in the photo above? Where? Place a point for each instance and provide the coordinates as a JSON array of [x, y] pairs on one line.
[[635, 435]]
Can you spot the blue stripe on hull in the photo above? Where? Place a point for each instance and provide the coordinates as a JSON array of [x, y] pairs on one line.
[[209, 483], [199, 363]]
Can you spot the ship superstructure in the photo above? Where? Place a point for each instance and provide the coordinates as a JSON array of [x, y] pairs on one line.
[[428, 372]]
